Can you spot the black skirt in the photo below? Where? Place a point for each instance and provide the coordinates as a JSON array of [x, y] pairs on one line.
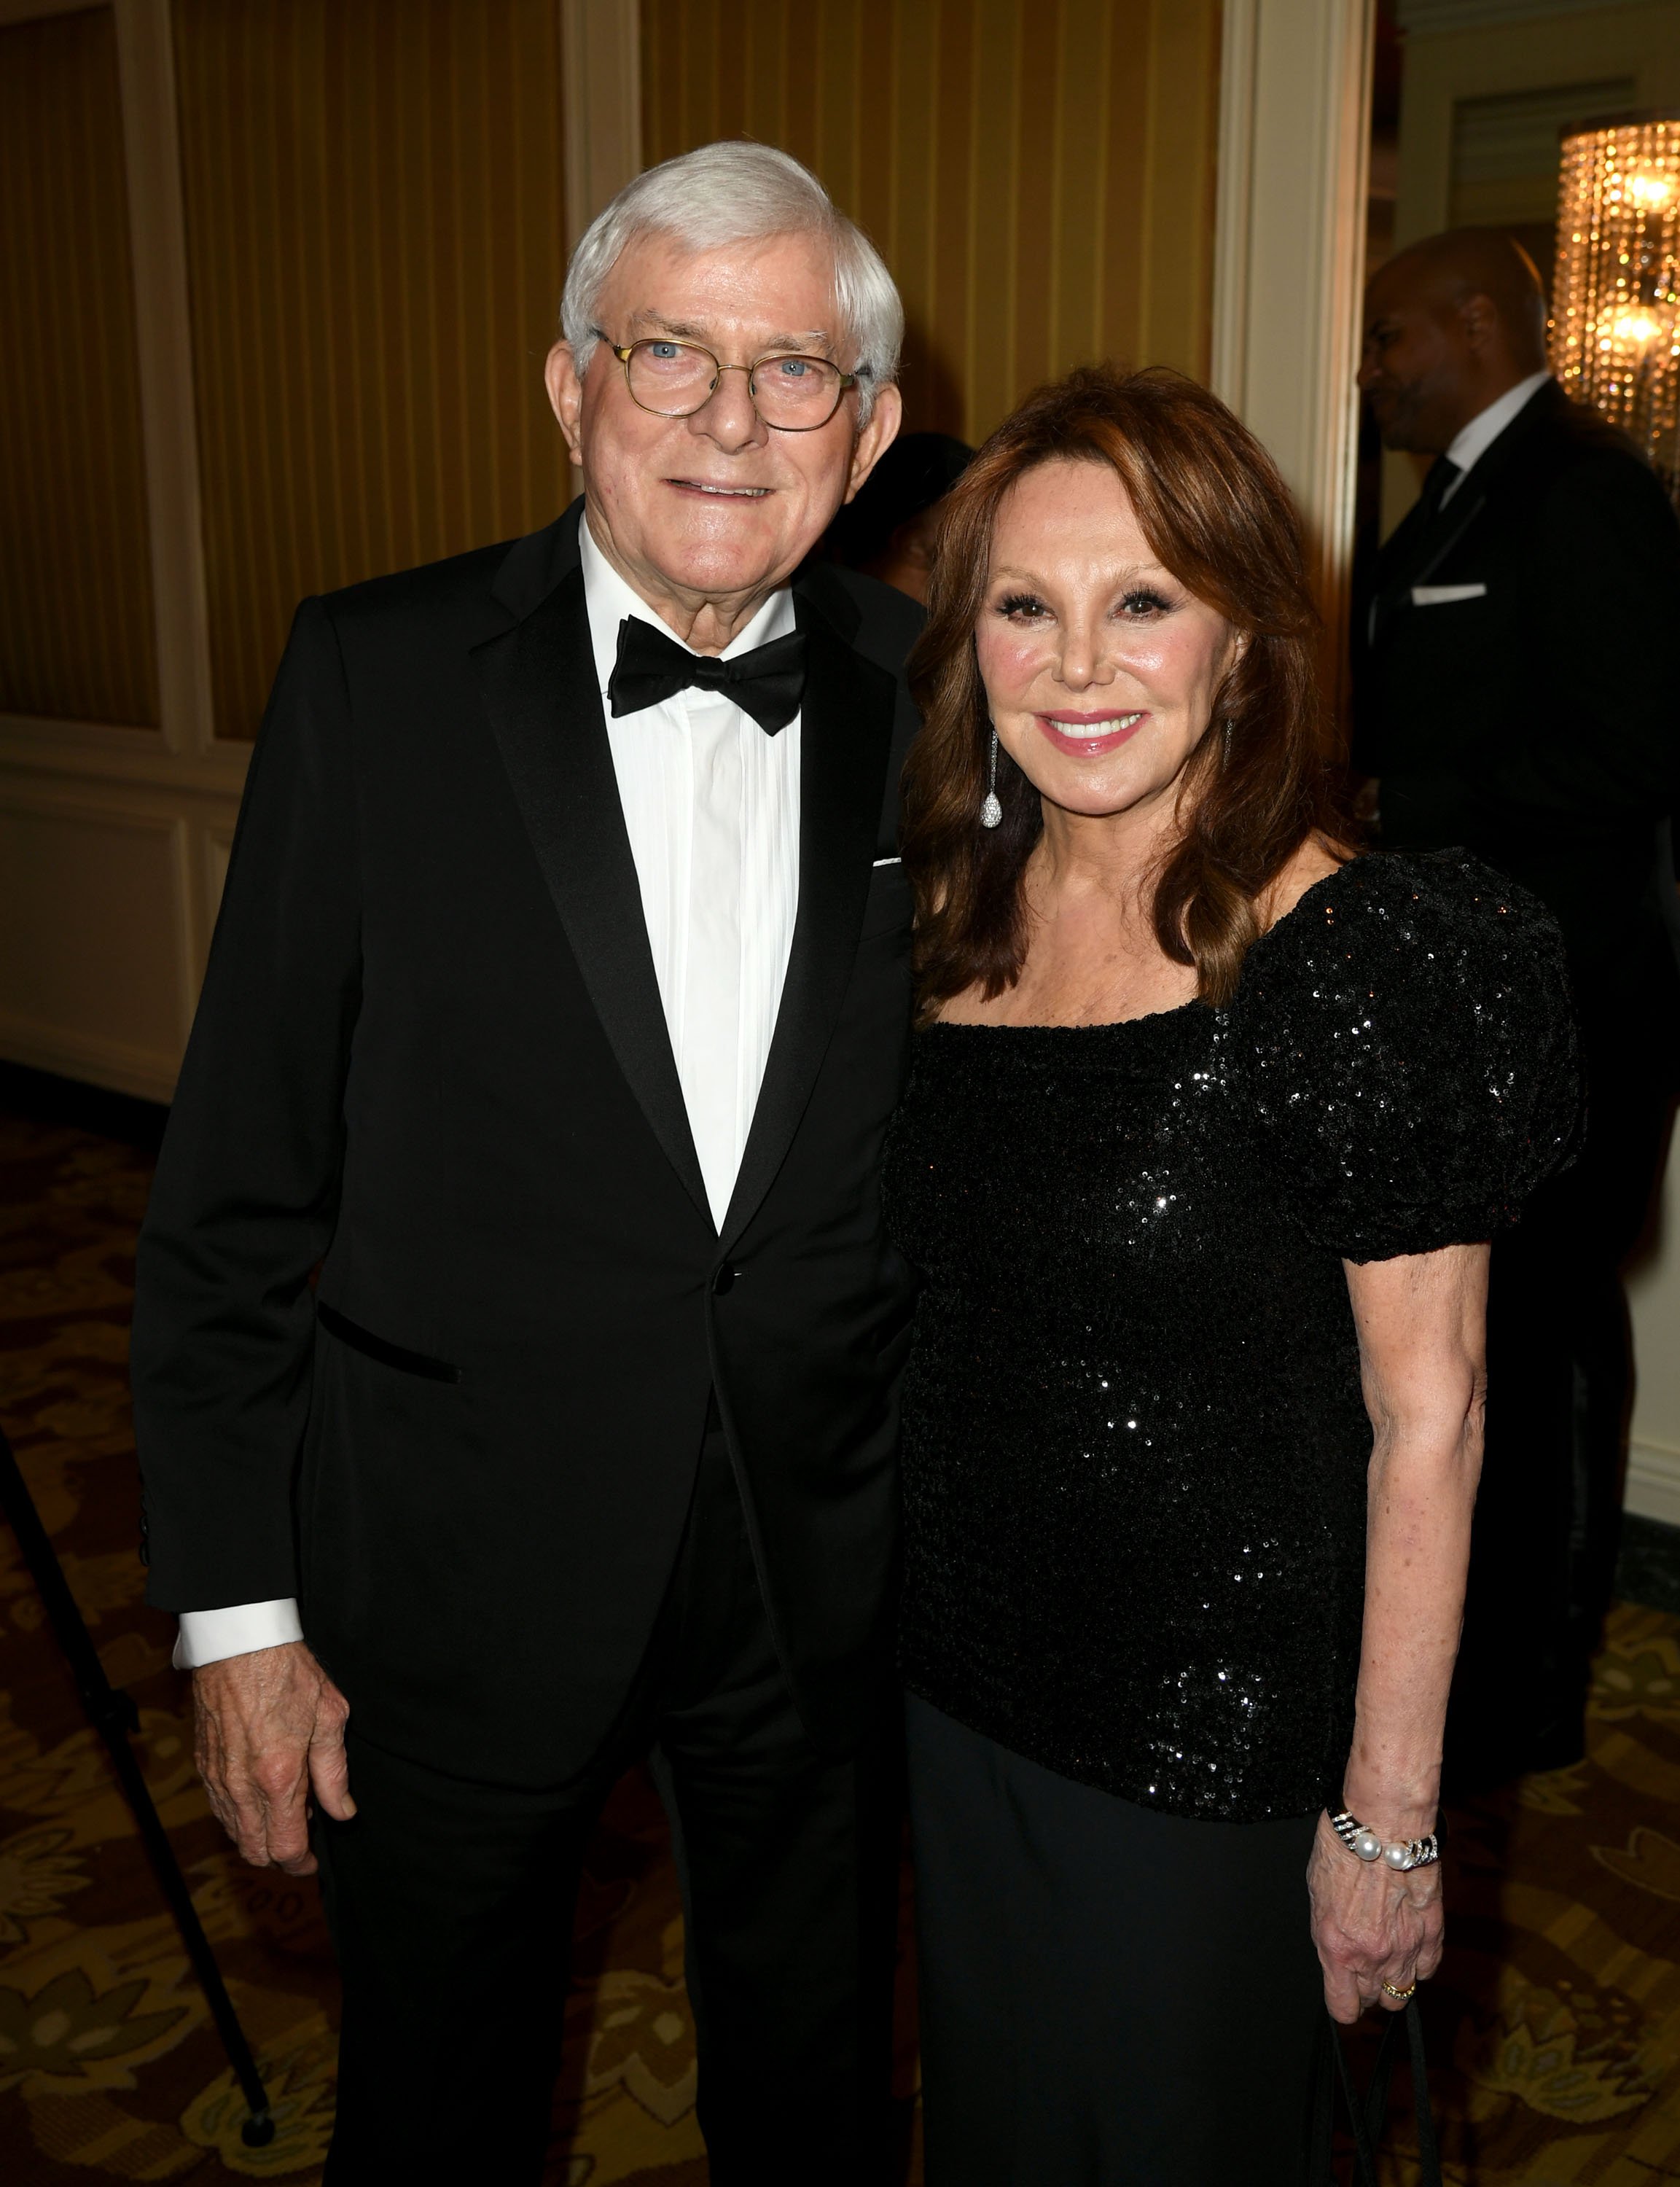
[[1111, 1996]]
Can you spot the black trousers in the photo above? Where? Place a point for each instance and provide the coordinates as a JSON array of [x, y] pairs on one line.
[[451, 1905], [1560, 1385], [1109, 1997]]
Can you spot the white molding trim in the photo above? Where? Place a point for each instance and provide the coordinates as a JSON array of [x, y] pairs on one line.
[[1294, 151], [118, 1065], [1234, 199], [42, 745], [168, 415], [601, 83], [81, 1050], [1653, 1488], [215, 847]]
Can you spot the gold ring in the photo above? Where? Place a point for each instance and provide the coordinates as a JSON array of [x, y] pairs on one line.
[[1403, 1994]]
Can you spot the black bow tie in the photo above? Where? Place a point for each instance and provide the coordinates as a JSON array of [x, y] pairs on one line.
[[768, 682]]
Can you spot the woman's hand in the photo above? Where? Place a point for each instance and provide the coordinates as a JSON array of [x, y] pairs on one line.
[[1421, 1320], [1371, 1924]]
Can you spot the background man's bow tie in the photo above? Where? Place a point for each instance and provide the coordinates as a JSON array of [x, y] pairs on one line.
[[768, 682]]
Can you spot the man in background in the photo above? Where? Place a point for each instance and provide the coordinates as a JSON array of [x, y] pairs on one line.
[[888, 529], [1514, 694]]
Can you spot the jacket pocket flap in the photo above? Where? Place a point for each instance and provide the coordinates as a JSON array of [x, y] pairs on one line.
[[375, 1347]]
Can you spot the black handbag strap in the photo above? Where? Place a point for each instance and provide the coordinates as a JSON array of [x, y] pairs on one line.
[[1367, 2115], [1429, 2149]]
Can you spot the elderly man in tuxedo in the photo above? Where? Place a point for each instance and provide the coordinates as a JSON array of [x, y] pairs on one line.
[[517, 1343], [1514, 694]]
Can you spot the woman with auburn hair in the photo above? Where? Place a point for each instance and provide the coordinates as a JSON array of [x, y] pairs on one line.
[[1209, 1123]]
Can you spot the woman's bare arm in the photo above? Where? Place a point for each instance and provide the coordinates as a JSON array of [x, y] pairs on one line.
[[1421, 1321]]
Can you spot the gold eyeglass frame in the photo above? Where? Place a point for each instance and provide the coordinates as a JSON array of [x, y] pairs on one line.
[[625, 351]]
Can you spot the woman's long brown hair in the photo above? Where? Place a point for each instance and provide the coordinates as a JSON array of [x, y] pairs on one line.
[[1216, 513]]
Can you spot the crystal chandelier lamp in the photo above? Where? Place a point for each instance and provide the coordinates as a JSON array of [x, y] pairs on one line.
[[1616, 292]]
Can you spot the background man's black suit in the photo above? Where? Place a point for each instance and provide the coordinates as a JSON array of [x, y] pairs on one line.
[[431, 1060], [1538, 723]]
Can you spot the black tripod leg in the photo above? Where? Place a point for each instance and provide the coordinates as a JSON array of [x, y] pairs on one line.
[[114, 1717], [259, 2128]]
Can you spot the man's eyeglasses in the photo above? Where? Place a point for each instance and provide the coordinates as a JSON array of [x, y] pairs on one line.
[[792, 394]]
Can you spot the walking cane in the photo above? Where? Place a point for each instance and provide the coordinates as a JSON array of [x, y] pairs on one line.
[[114, 1715]]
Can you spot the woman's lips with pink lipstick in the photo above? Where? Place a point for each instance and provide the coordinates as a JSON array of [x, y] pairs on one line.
[[1086, 736]]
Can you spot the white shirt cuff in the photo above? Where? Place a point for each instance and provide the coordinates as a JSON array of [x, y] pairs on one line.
[[208, 1636]]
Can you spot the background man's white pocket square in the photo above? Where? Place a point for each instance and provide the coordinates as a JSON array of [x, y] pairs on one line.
[[1440, 596]]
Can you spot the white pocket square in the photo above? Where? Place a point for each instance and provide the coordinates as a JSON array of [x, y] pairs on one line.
[[1440, 596]]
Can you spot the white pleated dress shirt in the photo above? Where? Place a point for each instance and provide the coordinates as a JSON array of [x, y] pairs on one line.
[[712, 808]]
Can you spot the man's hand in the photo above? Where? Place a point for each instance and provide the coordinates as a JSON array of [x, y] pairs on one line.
[[270, 1730]]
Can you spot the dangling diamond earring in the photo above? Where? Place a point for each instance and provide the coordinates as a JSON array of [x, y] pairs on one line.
[[992, 813]]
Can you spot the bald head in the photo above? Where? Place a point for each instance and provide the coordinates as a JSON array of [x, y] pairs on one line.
[[1450, 323]]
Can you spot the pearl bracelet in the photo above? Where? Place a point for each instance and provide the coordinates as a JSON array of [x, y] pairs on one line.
[[1365, 1845]]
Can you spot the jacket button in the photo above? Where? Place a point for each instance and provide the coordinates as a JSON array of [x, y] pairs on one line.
[[723, 1281]]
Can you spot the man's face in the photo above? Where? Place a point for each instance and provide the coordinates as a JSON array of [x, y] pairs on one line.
[[716, 507], [1418, 369]]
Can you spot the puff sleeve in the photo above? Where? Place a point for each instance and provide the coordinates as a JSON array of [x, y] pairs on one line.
[[1414, 1056]]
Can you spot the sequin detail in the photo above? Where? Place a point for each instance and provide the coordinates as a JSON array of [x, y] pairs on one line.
[[1135, 1447]]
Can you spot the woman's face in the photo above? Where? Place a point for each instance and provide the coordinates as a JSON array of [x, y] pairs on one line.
[[1100, 666]]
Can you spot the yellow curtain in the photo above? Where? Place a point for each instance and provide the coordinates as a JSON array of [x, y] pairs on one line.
[[376, 244], [77, 640], [1039, 174]]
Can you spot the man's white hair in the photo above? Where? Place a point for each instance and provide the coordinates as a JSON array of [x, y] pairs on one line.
[[737, 192]]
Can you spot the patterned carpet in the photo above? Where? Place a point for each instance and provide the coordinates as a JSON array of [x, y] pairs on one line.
[[1555, 2026]]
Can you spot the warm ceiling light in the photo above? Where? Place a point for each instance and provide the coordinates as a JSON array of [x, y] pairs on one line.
[[1638, 327], [1615, 294]]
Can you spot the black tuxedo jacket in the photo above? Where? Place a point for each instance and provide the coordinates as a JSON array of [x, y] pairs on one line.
[[431, 1060], [1538, 722]]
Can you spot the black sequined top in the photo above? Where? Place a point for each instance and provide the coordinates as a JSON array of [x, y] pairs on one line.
[[1135, 1448]]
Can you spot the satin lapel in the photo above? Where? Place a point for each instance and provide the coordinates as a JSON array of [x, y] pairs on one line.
[[538, 681], [1417, 558], [1416, 551], [1447, 529], [845, 738]]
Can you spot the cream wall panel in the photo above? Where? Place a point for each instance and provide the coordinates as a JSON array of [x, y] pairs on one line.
[[168, 395], [106, 899], [601, 75], [215, 847], [94, 908]]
